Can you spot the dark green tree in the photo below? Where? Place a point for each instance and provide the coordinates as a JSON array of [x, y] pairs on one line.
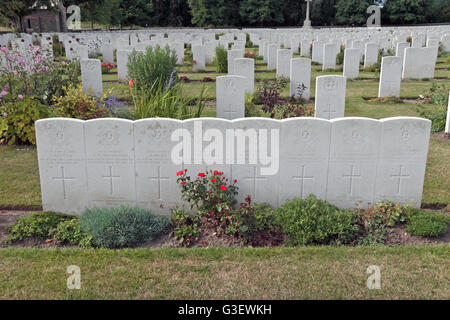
[[215, 13], [14, 10], [352, 12], [405, 11], [262, 12]]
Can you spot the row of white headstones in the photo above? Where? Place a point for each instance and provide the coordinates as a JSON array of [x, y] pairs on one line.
[[330, 90], [350, 162]]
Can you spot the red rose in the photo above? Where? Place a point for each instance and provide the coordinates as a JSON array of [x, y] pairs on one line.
[[183, 183], [235, 181], [216, 173], [185, 170], [213, 180], [202, 175], [223, 188], [179, 173]]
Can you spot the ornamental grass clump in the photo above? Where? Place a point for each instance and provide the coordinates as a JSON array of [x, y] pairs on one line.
[[121, 227]]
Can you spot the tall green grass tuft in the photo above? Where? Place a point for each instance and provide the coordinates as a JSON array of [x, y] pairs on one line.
[[155, 65], [221, 60]]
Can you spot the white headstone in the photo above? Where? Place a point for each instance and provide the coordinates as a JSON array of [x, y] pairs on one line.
[[329, 57], [330, 97], [390, 77], [419, 63], [305, 50], [300, 75], [272, 56], [283, 63], [351, 63], [110, 162], [198, 52], [317, 51], [230, 97], [353, 162], [91, 77], [62, 165], [245, 67], [371, 54], [107, 53], [156, 179], [402, 160], [232, 56], [305, 144], [122, 65]]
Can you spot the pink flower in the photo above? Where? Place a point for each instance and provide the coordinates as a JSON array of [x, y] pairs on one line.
[[63, 63], [5, 114], [20, 96]]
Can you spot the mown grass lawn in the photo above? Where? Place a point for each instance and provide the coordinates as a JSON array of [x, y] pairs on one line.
[[281, 273]]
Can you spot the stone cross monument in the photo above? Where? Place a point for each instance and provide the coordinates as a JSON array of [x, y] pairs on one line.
[[307, 23]]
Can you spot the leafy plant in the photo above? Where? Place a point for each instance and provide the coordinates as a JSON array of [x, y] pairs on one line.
[[221, 60], [39, 225], [121, 227], [69, 232], [427, 224], [17, 119], [79, 105], [270, 92], [251, 109], [436, 94], [312, 221], [186, 227]]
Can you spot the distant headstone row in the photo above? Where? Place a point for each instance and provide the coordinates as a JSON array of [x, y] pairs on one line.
[[351, 162]]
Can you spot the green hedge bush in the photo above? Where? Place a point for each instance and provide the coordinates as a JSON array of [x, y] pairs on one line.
[[121, 227], [39, 225], [427, 224], [312, 221]]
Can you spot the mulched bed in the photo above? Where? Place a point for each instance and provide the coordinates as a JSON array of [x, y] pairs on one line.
[[209, 238]]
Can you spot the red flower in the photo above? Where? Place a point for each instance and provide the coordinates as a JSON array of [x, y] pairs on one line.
[[213, 180], [131, 83], [202, 175], [217, 173], [185, 170], [179, 173], [223, 188], [183, 183], [235, 181]]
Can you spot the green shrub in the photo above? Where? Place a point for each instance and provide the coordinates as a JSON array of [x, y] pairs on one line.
[[69, 232], [436, 94], [221, 60], [251, 109], [17, 120], [258, 218], [76, 104], [39, 225], [427, 224], [312, 221], [121, 227], [186, 227], [153, 67]]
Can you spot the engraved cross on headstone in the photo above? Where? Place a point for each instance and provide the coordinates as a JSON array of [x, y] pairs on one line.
[[230, 112], [254, 178], [63, 179], [329, 111], [399, 178], [159, 178], [302, 178], [351, 176], [111, 177]]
